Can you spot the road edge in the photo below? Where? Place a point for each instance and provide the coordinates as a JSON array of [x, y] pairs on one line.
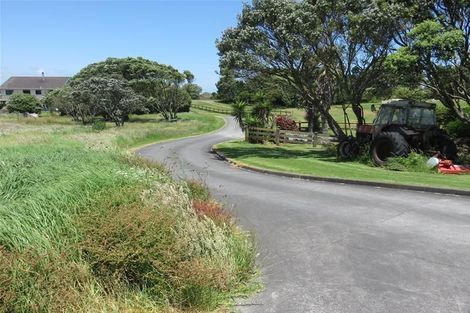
[[241, 165], [136, 149]]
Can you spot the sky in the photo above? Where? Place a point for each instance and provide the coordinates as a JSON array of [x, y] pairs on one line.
[[61, 37]]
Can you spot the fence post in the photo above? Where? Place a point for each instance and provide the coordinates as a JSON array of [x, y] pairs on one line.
[[278, 135]]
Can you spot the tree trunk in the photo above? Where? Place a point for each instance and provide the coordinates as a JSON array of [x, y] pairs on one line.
[[313, 118], [334, 126], [324, 125], [358, 111]]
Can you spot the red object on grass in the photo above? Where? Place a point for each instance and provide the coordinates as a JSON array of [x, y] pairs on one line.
[[447, 167]]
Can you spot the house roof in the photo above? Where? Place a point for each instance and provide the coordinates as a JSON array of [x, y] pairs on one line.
[[34, 82]]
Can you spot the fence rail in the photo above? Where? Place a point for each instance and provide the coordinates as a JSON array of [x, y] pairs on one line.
[[279, 136], [211, 109]]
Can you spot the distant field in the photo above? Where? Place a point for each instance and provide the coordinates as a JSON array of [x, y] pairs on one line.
[[140, 130], [299, 114], [212, 104]]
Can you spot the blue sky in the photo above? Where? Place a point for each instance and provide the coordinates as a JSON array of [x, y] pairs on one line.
[[61, 37]]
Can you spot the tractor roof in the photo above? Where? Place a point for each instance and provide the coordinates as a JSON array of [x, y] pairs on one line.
[[402, 103]]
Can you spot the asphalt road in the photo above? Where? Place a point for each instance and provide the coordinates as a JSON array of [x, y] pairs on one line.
[[328, 247]]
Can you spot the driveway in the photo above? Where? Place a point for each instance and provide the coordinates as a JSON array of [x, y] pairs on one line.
[[328, 247]]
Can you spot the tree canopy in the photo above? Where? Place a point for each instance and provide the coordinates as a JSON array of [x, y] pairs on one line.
[[435, 49]]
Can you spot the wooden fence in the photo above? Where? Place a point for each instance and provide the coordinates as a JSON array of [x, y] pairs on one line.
[[279, 136], [211, 109]]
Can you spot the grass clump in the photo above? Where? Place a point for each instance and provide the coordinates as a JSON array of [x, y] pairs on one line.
[[414, 162]]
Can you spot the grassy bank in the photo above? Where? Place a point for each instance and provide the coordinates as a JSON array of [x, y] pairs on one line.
[[303, 159], [87, 227]]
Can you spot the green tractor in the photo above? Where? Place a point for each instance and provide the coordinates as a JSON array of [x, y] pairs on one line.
[[400, 127]]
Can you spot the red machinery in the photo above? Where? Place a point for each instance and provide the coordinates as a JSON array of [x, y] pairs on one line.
[[448, 167]]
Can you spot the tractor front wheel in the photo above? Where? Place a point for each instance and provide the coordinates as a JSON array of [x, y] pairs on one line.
[[348, 149], [388, 144]]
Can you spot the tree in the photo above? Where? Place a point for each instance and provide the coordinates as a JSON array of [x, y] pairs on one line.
[[189, 76], [270, 39], [229, 87], [142, 75], [23, 103], [193, 90], [352, 42], [438, 45], [169, 100], [112, 98]]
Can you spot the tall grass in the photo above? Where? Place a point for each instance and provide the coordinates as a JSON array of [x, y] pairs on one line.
[[88, 228]]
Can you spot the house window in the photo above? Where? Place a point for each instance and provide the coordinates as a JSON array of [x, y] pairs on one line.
[[39, 92], [27, 91], [8, 92]]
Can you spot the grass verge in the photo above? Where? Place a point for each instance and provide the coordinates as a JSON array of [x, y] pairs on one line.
[[304, 159], [87, 227]]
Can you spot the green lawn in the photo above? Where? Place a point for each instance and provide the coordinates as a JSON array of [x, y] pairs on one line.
[[303, 159]]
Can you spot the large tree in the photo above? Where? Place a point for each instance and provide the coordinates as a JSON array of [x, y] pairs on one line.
[[270, 40], [352, 42], [142, 75]]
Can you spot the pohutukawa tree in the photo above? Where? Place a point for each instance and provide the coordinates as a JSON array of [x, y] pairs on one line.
[[168, 100], [147, 78], [109, 97], [351, 39], [269, 40]]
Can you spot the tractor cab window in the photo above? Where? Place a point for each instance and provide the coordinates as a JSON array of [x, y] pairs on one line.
[[398, 116], [421, 117], [383, 117]]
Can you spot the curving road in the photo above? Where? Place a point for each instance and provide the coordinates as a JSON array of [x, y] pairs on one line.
[[328, 247]]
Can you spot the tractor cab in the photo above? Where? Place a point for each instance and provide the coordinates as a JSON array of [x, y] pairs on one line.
[[412, 114]]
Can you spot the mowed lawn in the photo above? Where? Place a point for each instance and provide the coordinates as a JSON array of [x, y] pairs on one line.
[[304, 159]]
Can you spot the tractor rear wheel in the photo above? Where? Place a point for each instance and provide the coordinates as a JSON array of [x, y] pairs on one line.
[[348, 149], [388, 144]]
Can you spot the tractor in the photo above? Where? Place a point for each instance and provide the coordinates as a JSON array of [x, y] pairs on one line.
[[399, 127]]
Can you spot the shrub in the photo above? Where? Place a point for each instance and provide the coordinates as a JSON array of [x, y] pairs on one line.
[[457, 128], [23, 103], [99, 126], [410, 93], [414, 162], [286, 123]]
